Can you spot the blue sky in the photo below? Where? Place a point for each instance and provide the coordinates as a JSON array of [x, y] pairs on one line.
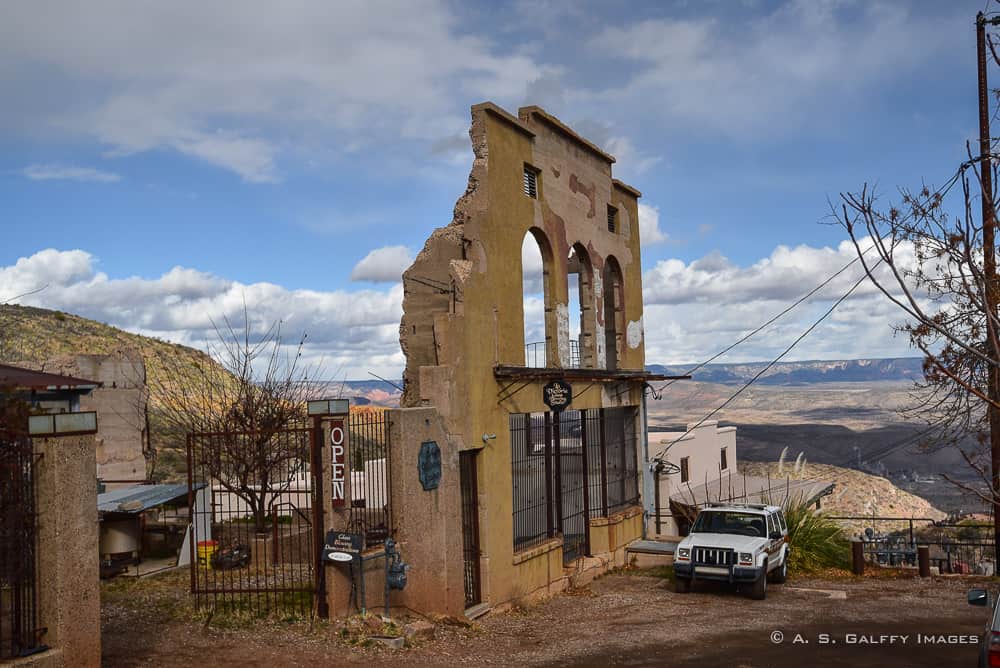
[[159, 162]]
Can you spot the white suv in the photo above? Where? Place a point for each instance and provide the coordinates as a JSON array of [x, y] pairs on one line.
[[734, 542]]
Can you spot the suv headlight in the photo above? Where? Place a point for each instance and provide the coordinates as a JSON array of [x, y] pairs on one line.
[[684, 553], [746, 558]]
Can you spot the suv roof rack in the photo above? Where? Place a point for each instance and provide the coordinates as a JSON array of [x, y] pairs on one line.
[[731, 504]]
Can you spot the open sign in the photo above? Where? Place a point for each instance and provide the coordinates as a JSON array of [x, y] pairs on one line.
[[338, 449]]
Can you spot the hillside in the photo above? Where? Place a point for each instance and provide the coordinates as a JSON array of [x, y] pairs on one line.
[[804, 372], [855, 494], [50, 340]]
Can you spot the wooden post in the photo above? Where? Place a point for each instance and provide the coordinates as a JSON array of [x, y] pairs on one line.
[[857, 557], [924, 560]]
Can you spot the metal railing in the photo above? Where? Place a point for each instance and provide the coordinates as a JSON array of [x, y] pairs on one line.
[[535, 355], [954, 547]]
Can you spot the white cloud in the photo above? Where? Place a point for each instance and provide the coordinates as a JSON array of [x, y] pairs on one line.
[[351, 331], [52, 172], [693, 310], [649, 225], [383, 265], [240, 89]]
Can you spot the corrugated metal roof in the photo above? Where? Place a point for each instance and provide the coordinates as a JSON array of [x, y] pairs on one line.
[[138, 498], [18, 378]]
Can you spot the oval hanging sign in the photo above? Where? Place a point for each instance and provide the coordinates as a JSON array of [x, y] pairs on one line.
[[557, 395]]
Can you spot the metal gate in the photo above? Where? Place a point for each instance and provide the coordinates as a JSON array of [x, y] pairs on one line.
[[368, 435], [470, 526], [19, 632], [251, 497]]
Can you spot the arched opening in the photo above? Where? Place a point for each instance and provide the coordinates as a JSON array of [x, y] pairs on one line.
[[536, 297], [614, 312], [580, 284]]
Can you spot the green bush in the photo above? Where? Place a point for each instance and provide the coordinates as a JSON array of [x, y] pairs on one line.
[[817, 541]]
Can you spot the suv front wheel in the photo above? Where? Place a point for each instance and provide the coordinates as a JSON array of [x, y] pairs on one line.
[[682, 585], [759, 590], [781, 572]]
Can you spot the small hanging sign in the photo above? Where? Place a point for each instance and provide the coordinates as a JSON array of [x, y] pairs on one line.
[[557, 395]]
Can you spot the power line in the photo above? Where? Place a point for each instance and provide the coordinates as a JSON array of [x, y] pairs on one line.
[[777, 359], [940, 192]]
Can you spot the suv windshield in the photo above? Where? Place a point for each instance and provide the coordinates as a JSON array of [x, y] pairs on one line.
[[728, 521]]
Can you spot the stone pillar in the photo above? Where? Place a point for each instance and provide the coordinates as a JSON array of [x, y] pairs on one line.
[[69, 596], [428, 523]]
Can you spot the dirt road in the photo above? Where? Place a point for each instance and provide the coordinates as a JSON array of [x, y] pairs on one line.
[[620, 620]]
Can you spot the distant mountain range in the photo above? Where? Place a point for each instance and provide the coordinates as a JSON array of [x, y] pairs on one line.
[[805, 372]]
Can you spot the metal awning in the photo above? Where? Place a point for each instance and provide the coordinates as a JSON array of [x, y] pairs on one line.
[[139, 498], [570, 374]]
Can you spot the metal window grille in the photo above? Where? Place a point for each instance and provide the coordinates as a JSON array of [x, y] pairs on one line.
[[569, 468], [612, 219], [19, 632], [530, 435], [723, 464], [530, 182], [685, 475]]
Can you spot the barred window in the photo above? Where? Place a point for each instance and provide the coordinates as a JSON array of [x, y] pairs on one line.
[[530, 181], [568, 468], [612, 219], [685, 471], [723, 460]]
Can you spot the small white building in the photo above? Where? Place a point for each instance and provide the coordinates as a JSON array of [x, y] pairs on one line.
[[699, 466]]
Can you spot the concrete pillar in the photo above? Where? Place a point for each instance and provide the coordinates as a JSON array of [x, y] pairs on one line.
[[69, 597]]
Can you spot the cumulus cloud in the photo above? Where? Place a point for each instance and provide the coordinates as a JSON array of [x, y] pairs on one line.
[[695, 309], [52, 172], [350, 331], [649, 225], [383, 265]]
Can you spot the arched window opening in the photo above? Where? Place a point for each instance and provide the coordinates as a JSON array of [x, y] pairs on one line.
[[580, 283], [535, 292], [614, 313]]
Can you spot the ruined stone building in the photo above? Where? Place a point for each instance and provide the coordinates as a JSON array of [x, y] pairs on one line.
[[545, 494]]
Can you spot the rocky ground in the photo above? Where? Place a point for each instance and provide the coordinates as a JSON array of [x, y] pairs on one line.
[[624, 619]]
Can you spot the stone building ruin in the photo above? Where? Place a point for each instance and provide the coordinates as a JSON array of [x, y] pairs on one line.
[[547, 496]]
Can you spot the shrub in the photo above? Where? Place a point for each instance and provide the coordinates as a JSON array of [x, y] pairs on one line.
[[817, 541]]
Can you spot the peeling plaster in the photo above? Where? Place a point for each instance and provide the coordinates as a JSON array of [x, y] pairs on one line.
[[562, 333], [602, 353], [634, 333]]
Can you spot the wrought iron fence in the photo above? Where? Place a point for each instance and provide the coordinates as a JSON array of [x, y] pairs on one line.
[[370, 503], [954, 547], [251, 503], [20, 634]]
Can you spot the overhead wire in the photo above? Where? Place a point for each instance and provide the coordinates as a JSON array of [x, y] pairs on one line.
[[940, 192]]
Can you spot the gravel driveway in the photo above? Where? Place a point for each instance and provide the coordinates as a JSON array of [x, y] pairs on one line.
[[620, 619]]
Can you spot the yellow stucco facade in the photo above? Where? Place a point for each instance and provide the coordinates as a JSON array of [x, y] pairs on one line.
[[462, 327]]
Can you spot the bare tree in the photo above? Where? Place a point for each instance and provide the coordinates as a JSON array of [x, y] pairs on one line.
[[931, 264], [240, 406]]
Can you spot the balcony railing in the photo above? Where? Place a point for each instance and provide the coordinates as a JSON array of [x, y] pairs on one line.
[[534, 355]]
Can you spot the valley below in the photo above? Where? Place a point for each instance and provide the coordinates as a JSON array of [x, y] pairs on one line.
[[847, 424]]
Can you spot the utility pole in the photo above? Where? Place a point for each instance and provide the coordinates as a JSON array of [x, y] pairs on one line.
[[989, 271]]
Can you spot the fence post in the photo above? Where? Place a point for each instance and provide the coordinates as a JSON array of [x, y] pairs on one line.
[[924, 560], [857, 557]]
